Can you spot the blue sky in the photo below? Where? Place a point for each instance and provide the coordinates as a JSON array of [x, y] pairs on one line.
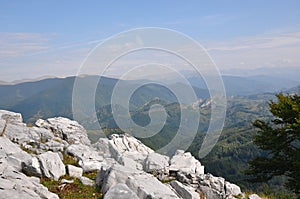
[[53, 37]]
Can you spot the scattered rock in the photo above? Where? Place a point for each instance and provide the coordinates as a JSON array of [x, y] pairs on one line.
[[64, 181], [86, 181], [51, 165], [74, 171]]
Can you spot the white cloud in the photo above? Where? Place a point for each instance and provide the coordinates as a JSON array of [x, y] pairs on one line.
[[257, 51], [18, 44]]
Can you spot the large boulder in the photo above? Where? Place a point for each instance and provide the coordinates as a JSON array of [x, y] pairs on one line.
[[66, 129], [51, 165], [232, 189], [14, 184], [156, 163], [15, 155], [126, 144], [12, 126], [184, 191], [142, 184], [74, 171], [185, 162], [32, 167], [128, 151]]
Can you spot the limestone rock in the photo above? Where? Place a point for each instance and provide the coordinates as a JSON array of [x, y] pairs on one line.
[[32, 167], [216, 183], [156, 163], [254, 196], [74, 171], [126, 144], [184, 191], [51, 165], [11, 116], [53, 145], [15, 155], [65, 181], [86, 181], [142, 184], [14, 184], [120, 191], [102, 146], [210, 193], [232, 189], [185, 162], [66, 129], [88, 158]]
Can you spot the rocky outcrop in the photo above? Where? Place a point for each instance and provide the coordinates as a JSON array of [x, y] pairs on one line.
[[15, 184], [65, 129], [120, 191], [184, 191], [144, 185], [47, 165], [126, 167], [185, 162]]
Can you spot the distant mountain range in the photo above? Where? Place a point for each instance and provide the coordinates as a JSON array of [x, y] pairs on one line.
[[52, 97]]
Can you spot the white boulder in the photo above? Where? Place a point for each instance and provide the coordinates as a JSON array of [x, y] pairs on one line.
[[184, 191], [74, 171], [51, 165], [185, 162]]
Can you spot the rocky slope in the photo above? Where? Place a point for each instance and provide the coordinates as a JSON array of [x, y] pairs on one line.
[[126, 168]]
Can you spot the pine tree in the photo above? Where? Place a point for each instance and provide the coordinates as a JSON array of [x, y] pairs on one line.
[[280, 140]]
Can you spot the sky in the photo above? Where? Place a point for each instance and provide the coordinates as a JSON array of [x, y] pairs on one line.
[[52, 38]]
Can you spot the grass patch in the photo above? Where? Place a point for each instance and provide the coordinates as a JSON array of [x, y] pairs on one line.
[[76, 190], [67, 159], [91, 174]]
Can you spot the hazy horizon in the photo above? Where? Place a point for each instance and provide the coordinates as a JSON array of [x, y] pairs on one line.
[[53, 38]]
